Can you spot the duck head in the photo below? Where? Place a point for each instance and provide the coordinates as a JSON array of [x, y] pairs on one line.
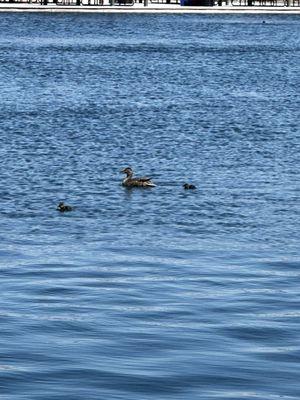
[[128, 171]]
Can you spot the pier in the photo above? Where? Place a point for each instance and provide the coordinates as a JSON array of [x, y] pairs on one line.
[[152, 6]]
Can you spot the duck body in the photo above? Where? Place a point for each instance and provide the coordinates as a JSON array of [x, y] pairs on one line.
[[188, 186], [130, 181], [62, 207]]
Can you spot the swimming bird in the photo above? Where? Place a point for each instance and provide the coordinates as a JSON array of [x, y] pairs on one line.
[[189, 186], [62, 207], [129, 181]]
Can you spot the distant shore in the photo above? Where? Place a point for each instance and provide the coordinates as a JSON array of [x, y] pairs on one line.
[[150, 9]]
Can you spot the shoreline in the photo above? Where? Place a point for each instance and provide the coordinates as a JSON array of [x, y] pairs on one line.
[[151, 9]]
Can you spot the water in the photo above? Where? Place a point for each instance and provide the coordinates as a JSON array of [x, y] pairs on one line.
[[160, 293]]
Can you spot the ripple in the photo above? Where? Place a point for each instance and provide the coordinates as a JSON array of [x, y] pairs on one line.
[[163, 293]]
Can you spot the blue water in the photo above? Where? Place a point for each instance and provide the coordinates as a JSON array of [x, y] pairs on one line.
[[159, 293]]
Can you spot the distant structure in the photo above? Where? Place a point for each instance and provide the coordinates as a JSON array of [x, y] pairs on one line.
[[146, 3]]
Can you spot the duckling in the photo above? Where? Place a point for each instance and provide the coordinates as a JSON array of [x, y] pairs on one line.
[[189, 186], [62, 207], [129, 181]]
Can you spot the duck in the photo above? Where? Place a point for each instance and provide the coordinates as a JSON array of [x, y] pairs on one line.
[[62, 207], [129, 181], [188, 186]]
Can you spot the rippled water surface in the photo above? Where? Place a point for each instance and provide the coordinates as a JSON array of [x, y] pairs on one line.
[[160, 293]]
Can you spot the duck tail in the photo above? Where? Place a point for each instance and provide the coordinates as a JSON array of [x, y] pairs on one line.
[[150, 184]]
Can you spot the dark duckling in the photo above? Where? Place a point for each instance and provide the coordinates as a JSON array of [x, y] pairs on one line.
[[130, 181], [188, 186], [62, 207]]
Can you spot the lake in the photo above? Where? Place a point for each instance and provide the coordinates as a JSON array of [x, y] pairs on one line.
[[160, 293]]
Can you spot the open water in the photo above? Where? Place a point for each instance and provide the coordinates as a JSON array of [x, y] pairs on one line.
[[161, 293]]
